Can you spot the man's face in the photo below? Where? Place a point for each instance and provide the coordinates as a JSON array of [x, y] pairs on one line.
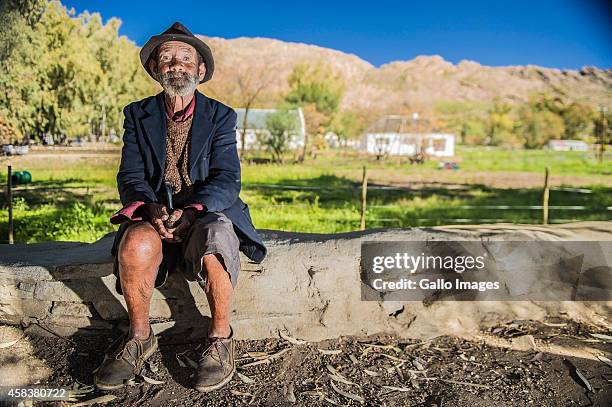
[[177, 68]]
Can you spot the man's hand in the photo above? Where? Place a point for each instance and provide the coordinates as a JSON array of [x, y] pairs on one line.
[[179, 223], [157, 214]]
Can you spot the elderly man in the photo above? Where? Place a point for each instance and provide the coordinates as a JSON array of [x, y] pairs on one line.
[[179, 181]]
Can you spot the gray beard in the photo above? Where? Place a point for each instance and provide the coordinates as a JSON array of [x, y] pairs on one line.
[[177, 84]]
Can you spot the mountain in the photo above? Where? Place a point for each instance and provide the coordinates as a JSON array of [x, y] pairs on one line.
[[422, 81]]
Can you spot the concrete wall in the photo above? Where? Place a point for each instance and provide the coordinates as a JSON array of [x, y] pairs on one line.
[[308, 286]]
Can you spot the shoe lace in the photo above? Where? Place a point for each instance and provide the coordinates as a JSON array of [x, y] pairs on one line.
[[215, 344], [131, 350]]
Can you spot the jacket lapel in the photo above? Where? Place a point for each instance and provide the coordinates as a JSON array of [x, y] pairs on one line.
[[201, 129], [155, 128]]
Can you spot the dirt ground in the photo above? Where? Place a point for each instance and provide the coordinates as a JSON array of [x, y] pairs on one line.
[[373, 371]]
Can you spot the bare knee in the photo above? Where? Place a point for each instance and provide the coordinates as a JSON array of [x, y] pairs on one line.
[[213, 261], [217, 276], [140, 246]]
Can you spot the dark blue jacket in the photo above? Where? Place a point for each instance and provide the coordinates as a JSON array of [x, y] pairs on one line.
[[214, 164]]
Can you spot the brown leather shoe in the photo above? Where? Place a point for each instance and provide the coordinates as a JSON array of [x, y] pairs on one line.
[[124, 361], [216, 366]]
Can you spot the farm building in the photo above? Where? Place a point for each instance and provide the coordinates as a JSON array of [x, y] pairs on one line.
[[568, 145], [256, 127], [408, 144], [390, 135]]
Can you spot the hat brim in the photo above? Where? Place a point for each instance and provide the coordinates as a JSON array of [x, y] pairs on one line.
[[199, 45]]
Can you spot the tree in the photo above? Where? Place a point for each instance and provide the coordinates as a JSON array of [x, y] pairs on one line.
[[578, 119], [537, 127], [602, 131], [9, 134], [65, 76], [17, 19], [18, 61], [468, 119], [347, 124], [315, 122], [252, 80], [281, 125], [473, 132], [318, 90], [545, 101], [122, 78], [499, 123], [546, 117]]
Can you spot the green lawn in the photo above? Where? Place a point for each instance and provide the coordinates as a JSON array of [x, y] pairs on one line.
[[564, 163], [71, 198]]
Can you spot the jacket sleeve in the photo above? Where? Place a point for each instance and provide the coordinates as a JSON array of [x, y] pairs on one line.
[[134, 190], [221, 187], [128, 213]]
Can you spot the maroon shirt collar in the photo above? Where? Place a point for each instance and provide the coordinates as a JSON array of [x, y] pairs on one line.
[[181, 115]]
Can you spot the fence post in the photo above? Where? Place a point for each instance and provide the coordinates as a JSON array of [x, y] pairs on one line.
[[9, 190], [364, 193], [545, 198], [603, 128]]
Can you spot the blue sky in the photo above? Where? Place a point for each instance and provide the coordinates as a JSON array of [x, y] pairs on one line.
[[559, 34]]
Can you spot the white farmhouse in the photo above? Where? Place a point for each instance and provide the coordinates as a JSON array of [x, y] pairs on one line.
[[400, 135], [568, 145], [256, 128], [408, 144]]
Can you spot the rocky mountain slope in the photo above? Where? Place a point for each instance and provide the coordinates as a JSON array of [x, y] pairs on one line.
[[421, 81]]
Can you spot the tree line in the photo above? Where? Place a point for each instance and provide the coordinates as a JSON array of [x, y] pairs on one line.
[[532, 124], [64, 76]]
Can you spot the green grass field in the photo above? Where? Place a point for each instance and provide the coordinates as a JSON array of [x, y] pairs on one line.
[[72, 195]]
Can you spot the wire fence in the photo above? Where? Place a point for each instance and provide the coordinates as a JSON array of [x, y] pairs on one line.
[[247, 186], [372, 209], [357, 187]]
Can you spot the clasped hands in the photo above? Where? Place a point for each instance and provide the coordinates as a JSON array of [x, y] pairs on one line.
[[172, 227]]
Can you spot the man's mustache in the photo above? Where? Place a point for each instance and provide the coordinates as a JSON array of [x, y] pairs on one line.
[[176, 75], [178, 82]]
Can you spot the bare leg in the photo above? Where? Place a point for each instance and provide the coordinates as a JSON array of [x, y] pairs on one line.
[[140, 254], [218, 290]]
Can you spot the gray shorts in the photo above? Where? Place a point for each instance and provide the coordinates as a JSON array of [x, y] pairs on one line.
[[211, 233]]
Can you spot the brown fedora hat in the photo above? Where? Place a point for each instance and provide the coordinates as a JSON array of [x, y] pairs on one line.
[[178, 32]]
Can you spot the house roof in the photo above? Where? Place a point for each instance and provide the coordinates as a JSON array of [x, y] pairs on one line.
[[257, 117], [396, 124]]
